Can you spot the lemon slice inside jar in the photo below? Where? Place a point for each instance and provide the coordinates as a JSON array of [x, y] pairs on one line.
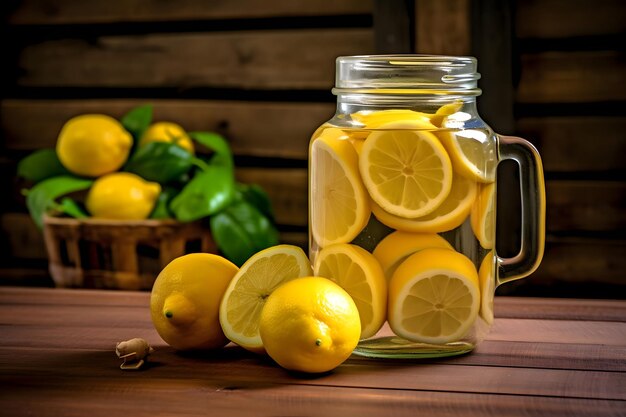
[[434, 297], [339, 204], [405, 169], [358, 272]]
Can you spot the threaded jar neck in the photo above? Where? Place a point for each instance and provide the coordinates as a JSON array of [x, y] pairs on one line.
[[378, 79]]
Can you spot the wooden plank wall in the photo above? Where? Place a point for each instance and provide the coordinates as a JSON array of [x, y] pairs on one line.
[[569, 101], [258, 72], [553, 72]]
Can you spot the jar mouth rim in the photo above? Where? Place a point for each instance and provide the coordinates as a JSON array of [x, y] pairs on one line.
[[407, 74], [409, 59]]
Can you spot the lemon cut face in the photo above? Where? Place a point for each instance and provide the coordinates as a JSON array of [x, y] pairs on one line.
[[449, 215], [339, 203], [259, 276], [472, 153], [486, 275], [434, 297], [359, 273], [483, 215], [405, 170]]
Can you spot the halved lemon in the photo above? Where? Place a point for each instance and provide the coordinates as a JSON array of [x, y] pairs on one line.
[[339, 203], [399, 245], [434, 297], [358, 272], [483, 215], [449, 215], [258, 277], [405, 170], [472, 152], [486, 276]]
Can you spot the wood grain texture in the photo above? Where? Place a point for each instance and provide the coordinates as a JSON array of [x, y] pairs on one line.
[[392, 26], [570, 77], [555, 19], [195, 398], [586, 206], [572, 144], [491, 34], [442, 27], [252, 128], [506, 307], [250, 60], [61, 348], [578, 260], [57, 12]]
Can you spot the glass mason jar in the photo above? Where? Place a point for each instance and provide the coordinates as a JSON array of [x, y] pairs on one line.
[[402, 203]]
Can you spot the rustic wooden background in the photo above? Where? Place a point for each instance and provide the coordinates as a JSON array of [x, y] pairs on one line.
[[260, 72]]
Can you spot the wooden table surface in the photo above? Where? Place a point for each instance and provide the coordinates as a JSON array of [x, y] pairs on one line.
[[543, 357]]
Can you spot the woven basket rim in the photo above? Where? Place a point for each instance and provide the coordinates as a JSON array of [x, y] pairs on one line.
[[54, 220]]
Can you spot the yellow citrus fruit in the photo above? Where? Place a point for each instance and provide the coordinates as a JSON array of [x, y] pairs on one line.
[[358, 272], [185, 300], [486, 276], [450, 214], [399, 245], [406, 171], [167, 132], [93, 144], [122, 196], [483, 215], [247, 293], [473, 155], [310, 324], [339, 204], [376, 119], [444, 111], [434, 297]]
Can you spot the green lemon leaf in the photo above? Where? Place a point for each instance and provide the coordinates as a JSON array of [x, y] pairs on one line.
[[217, 143], [257, 196], [40, 165], [241, 230], [137, 120], [161, 208], [41, 197], [207, 193], [71, 208], [161, 162]]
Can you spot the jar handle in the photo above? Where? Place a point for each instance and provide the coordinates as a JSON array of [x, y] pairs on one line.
[[533, 209]]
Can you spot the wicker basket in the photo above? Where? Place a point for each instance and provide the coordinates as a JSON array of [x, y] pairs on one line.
[[114, 254]]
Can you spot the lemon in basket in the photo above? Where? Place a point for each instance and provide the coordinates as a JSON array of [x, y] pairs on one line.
[[93, 145], [167, 132], [185, 301], [122, 196]]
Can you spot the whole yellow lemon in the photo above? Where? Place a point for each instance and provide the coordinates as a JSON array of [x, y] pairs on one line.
[[122, 196], [93, 145], [167, 132], [185, 301], [310, 324]]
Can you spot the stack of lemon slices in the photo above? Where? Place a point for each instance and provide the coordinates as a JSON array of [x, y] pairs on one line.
[[420, 177]]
